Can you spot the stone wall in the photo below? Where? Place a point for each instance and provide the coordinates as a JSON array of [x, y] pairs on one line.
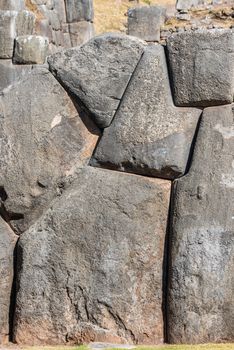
[[30, 30], [116, 183]]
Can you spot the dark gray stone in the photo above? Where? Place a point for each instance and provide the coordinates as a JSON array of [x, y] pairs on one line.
[[202, 67], [91, 267], [201, 283], [145, 22], [98, 72], [148, 135], [7, 244], [79, 10], [43, 142]]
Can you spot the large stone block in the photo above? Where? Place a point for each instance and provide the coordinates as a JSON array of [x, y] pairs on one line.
[[98, 72], [31, 49], [10, 72], [149, 135], [200, 301], [145, 22], [79, 10], [7, 245], [12, 24], [43, 142], [91, 269], [202, 67]]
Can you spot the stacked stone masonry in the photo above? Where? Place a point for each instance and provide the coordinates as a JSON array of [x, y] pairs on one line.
[[30, 30], [94, 244]]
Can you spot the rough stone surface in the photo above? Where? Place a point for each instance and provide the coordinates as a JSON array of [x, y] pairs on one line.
[[43, 141], [10, 72], [91, 268], [145, 22], [185, 5], [148, 134], [80, 32], [13, 23], [79, 10], [7, 245], [98, 72], [201, 284], [30, 49], [16, 5], [202, 67]]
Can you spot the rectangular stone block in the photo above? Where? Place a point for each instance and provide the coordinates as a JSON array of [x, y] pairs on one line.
[[145, 22], [79, 10]]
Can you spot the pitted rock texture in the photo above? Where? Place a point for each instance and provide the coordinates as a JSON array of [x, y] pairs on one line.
[[7, 244], [98, 72], [149, 135], [43, 142], [91, 267], [145, 22], [200, 301], [30, 49], [202, 67]]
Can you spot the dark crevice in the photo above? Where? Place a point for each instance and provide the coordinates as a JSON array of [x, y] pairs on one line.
[[13, 295], [166, 256]]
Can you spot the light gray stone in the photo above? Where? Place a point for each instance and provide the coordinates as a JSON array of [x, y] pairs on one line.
[[201, 271], [91, 268], [79, 10], [30, 49], [202, 67], [185, 5], [43, 142], [149, 135], [13, 23], [80, 32], [16, 5], [98, 72], [9, 72], [7, 245], [145, 22]]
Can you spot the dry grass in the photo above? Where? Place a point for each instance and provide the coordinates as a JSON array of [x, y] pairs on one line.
[[110, 15]]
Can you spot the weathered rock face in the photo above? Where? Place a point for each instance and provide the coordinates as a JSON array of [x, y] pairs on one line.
[[148, 134], [7, 245], [195, 82], [10, 72], [16, 5], [43, 141], [201, 268], [30, 49], [91, 267], [145, 22], [98, 72]]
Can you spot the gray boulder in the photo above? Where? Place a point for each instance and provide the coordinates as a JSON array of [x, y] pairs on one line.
[[12, 24], [7, 245], [149, 135], [185, 5], [30, 49], [9, 72], [98, 72], [79, 10], [145, 22], [201, 283], [91, 268], [43, 142], [202, 67], [80, 32]]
